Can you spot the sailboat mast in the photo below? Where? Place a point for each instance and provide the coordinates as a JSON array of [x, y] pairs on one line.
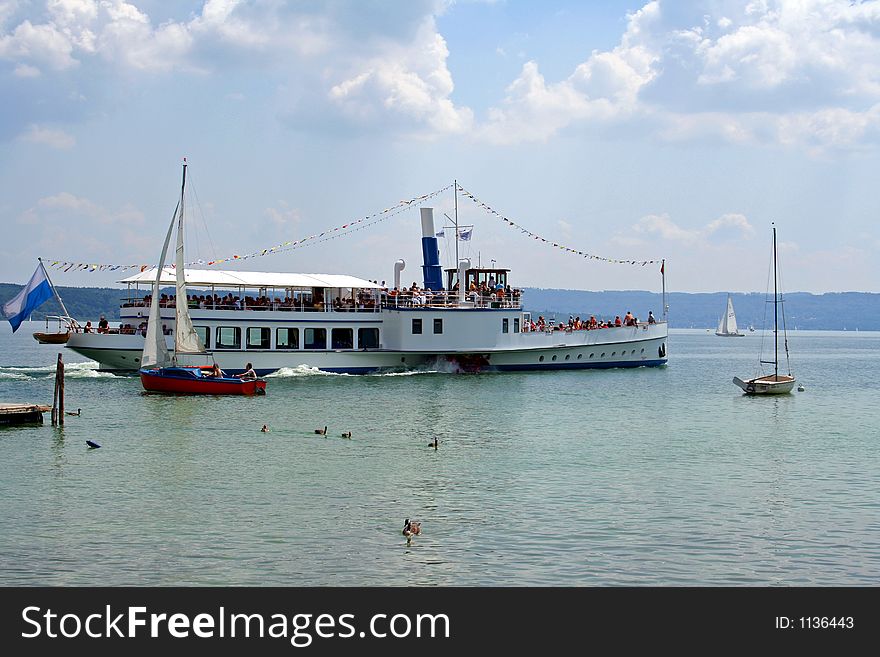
[[775, 312]]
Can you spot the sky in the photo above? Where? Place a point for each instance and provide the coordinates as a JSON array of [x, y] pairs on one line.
[[629, 131]]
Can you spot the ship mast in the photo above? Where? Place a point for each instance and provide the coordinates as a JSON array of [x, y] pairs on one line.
[[775, 312]]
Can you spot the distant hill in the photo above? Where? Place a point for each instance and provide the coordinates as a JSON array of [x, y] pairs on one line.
[[830, 311]]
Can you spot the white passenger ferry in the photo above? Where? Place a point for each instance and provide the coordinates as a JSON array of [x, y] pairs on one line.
[[344, 324]]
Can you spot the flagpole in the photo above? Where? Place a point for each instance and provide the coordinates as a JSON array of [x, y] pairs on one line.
[[54, 291], [455, 189], [663, 276]]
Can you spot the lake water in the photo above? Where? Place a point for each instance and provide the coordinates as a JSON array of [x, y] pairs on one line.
[[662, 476]]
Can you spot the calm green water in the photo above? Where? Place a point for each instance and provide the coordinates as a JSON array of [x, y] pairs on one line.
[[642, 477]]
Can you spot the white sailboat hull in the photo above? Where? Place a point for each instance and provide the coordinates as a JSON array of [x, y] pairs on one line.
[[766, 385]]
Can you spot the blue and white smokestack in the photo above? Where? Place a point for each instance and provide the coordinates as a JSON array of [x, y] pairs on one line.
[[433, 274]]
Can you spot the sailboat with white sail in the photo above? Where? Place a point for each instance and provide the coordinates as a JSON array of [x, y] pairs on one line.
[[189, 369], [776, 383], [727, 324]]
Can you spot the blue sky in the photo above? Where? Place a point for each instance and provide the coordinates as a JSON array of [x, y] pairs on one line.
[[628, 130]]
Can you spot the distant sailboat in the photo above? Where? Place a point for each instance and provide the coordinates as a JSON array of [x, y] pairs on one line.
[[727, 324], [776, 383]]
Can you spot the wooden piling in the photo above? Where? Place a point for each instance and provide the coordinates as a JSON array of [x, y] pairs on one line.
[[58, 396], [59, 372], [55, 399]]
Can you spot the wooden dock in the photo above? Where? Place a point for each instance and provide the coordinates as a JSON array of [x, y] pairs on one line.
[[22, 413]]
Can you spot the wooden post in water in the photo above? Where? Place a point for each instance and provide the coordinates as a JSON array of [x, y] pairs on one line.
[[59, 372], [55, 397]]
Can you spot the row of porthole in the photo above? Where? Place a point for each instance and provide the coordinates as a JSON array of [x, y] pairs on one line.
[[602, 355]]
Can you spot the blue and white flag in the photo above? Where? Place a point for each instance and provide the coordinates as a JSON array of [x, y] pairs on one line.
[[36, 292], [441, 233], [465, 234]]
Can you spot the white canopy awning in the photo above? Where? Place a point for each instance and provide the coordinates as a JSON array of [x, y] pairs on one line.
[[252, 279]]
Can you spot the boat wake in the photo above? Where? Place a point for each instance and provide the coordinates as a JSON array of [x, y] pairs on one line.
[[306, 371], [299, 371], [86, 370]]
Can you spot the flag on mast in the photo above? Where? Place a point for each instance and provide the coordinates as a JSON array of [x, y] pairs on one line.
[[35, 293]]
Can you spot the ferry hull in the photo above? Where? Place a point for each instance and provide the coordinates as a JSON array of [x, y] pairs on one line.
[[643, 346]]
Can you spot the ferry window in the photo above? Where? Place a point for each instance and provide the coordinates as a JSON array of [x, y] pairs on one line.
[[417, 327], [258, 337], [554, 357], [516, 324], [204, 334], [228, 337], [541, 359], [505, 325], [438, 326], [287, 338], [315, 338], [342, 338], [368, 338]]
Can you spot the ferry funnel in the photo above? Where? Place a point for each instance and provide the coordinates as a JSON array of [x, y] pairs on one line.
[[432, 272]]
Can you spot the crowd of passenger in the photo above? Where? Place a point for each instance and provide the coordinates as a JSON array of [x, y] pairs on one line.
[[486, 294], [123, 328], [577, 324]]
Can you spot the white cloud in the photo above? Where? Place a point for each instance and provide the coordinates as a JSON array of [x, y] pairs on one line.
[[48, 136], [26, 71], [800, 73], [604, 88], [728, 227], [662, 226], [406, 81], [41, 44], [283, 217]]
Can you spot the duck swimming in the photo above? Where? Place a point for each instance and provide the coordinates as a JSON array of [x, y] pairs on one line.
[[346, 434], [321, 432], [434, 443], [411, 528]]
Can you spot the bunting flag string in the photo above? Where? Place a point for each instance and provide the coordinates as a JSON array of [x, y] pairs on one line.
[[490, 210], [317, 238]]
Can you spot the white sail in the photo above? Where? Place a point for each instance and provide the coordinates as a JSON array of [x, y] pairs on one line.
[[155, 353], [186, 340], [727, 325]]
